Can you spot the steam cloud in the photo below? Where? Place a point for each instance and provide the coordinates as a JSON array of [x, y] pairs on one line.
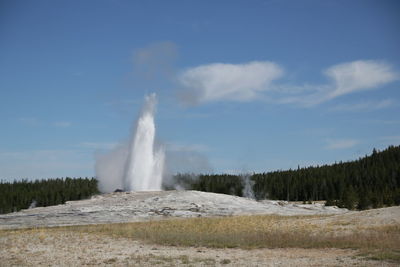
[[247, 186], [137, 165]]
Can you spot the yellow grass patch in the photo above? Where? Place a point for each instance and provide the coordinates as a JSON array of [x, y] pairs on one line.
[[253, 232], [259, 231]]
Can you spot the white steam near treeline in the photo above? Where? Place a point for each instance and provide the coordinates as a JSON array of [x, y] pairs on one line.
[[142, 163], [247, 186], [137, 165]]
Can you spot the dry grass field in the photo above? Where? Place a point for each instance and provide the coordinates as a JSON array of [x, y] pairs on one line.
[[367, 238], [249, 232]]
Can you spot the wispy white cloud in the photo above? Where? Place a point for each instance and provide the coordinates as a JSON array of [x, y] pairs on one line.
[[62, 124], [365, 106], [347, 78], [236, 82], [259, 79], [359, 75], [341, 143]]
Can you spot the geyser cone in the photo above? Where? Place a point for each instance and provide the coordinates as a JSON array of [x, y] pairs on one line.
[[145, 162]]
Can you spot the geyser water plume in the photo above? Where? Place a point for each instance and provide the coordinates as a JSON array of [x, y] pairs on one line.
[[136, 165], [247, 186], [145, 163]]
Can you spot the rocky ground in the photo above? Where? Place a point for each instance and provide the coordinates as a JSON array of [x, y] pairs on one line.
[[141, 206], [21, 246], [57, 248]]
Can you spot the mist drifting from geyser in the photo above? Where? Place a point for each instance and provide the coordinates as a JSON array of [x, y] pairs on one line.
[[138, 165]]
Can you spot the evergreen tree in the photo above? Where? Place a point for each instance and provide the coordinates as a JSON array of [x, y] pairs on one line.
[[18, 195], [371, 181]]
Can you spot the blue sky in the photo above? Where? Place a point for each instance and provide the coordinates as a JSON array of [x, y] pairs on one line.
[[241, 85]]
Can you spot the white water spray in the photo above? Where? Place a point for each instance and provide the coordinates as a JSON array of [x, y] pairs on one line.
[[136, 165], [247, 186], [145, 162]]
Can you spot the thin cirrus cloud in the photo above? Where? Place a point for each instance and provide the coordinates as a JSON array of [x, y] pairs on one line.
[[253, 80], [358, 76]]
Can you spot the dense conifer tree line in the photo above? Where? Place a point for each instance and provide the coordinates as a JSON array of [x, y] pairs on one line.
[[19, 195], [369, 182]]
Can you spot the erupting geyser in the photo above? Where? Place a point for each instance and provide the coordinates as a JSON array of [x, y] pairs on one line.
[[145, 162], [136, 165]]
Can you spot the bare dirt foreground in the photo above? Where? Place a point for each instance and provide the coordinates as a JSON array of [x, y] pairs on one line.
[[56, 248], [30, 241]]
